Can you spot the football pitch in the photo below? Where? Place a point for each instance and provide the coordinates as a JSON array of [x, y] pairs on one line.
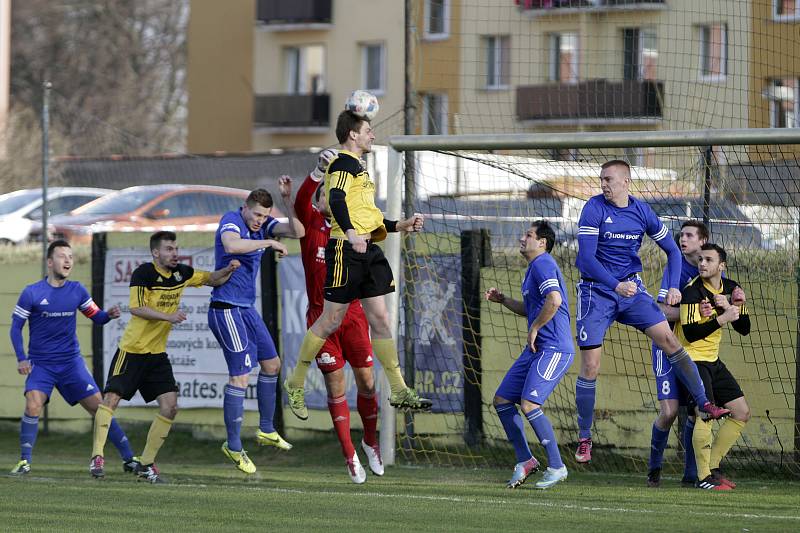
[[307, 489]]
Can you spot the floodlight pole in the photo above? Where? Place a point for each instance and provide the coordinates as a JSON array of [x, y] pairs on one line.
[[46, 87]]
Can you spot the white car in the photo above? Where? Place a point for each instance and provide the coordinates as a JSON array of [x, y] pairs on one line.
[[19, 209]]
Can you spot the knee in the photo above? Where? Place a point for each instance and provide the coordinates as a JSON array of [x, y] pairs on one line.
[[329, 324], [33, 407], [111, 400], [667, 415], [239, 381], [527, 406], [169, 411], [499, 400], [743, 414], [379, 324], [270, 366], [590, 368]]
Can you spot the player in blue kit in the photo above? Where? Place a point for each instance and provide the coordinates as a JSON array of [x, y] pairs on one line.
[[546, 358], [244, 235], [611, 228], [54, 358], [694, 234]]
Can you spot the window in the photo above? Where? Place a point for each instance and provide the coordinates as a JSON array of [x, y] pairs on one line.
[[498, 59], [713, 51], [640, 54], [437, 19], [305, 69], [434, 114], [373, 71], [783, 103], [786, 9], [564, 57]]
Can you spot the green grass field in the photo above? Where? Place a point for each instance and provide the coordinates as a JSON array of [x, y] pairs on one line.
[[307, 489]]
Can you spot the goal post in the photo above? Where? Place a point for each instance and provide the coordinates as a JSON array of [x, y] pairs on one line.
[[744, 183]]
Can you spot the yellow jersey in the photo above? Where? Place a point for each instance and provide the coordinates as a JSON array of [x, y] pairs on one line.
[[160, 290], [348, 174], [693, 324]]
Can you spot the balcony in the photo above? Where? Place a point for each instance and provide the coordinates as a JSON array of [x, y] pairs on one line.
[[592, 102], [292, 113], [536, 8], [293, 15]]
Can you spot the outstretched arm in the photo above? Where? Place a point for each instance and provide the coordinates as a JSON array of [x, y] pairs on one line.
[[515, 306], [293, 227], [218, 277]]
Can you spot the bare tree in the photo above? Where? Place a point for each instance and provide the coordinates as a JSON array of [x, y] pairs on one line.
[[117, 67]]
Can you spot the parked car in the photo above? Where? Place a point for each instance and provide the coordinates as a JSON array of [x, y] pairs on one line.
[[19, 210], [729, 226], [149, 208]]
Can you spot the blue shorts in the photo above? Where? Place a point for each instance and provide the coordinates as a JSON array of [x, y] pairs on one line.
[[599, 307], [72, 379], [668, 387], [533, 376], [243, 337]]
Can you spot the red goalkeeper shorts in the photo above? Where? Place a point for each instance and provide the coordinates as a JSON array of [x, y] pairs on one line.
[[349, 343]]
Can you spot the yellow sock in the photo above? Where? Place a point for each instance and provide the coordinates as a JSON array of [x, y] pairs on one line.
[[725, 439], [386, 352], [159, 430], [102, 421], [701, 441], [309, 349]]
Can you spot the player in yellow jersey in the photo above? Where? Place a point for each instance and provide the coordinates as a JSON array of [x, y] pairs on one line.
[[141, 362], [708, 302], [356, 266]]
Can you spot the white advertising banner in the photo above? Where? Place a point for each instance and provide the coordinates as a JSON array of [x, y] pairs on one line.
[[197, 361]]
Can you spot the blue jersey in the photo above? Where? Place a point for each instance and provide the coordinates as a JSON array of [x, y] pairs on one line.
[[688, 271], [51, 314], [609, 238], [542, 277], [240, 289]]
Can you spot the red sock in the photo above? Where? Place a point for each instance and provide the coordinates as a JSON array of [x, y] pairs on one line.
[[368, 409], [340, 414]]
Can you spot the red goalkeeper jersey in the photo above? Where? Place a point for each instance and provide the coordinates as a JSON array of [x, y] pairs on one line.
[[312, 248]]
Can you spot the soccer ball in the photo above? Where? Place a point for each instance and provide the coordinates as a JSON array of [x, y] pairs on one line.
[[363, 104]]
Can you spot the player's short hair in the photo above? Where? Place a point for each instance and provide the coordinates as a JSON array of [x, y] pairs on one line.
[[346, 123], [160, 236], [702, 229], [615, 162], [723, 255], [545, 231], [318, 192], [60, 243], [260, 197]]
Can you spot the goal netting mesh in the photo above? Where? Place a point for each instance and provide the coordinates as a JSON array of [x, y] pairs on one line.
[[477, 205]]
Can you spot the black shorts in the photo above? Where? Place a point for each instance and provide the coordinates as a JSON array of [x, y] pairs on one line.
[[149, 373], [352, 275], [721, 387]]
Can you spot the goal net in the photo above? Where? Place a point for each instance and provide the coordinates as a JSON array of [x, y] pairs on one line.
[[479, 202]]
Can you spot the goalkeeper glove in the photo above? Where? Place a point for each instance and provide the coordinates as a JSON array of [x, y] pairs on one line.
[[324, 161]]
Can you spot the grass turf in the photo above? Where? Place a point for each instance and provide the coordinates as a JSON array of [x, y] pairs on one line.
[[307, 489]]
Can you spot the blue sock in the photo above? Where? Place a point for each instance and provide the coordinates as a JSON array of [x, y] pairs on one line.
[[658, 442], [686, 370], [266, 388], [690, 468], [28, 428], [512, 423], [584, 401], [120, 440], [544, 432], [232, 411]]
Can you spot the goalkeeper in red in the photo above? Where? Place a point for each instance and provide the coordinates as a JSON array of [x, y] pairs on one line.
[[356, 268], [350, 342]]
